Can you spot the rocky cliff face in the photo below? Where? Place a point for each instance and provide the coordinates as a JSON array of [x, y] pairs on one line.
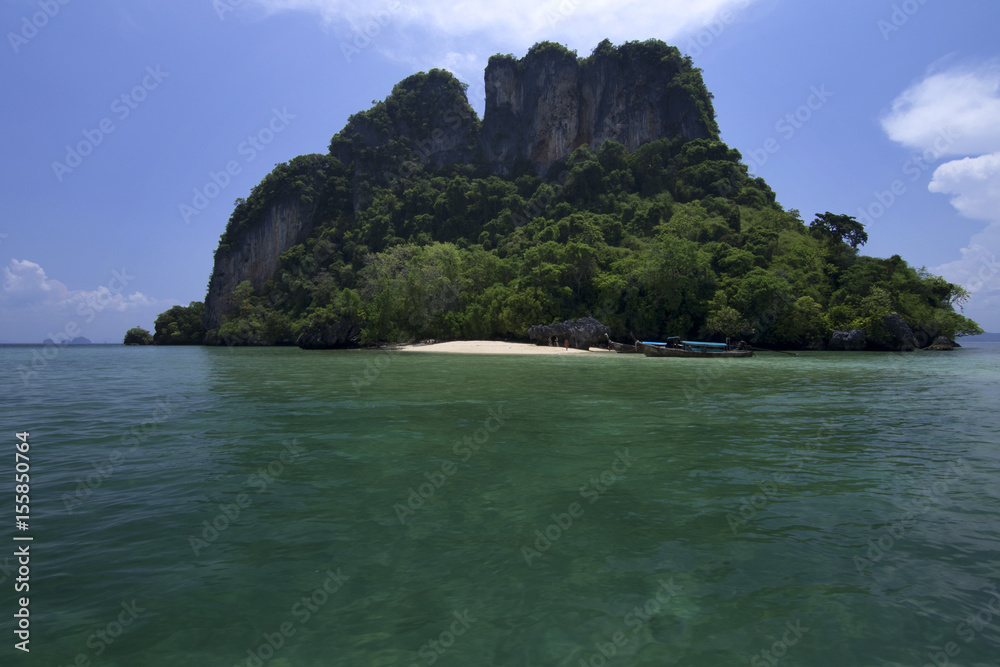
[[549, 103], [426, 122], [253, 254], [538, 109]]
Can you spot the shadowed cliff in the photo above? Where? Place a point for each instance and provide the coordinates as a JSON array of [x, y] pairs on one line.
[[541, 108]]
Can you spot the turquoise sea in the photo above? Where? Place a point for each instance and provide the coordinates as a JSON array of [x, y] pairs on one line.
[[251, 507]]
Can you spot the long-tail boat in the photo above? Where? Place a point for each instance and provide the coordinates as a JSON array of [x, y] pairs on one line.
[[623, 348], [675, 347]]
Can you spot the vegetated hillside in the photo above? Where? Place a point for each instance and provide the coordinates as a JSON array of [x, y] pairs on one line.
[[416, 225]]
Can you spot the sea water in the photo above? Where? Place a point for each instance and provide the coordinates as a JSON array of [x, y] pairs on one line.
[[280, 507]]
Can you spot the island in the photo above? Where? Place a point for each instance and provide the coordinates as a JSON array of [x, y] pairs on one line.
[[594, 186], [79, 340]]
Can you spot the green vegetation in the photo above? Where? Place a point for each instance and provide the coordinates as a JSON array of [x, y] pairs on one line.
[[675, 238], [181, 325], [137, 336]]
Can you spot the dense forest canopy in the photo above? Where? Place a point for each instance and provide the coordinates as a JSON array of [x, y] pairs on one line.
[[675, 238]]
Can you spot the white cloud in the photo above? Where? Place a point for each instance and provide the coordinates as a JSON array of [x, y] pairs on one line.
[[956, 112], [524, 22], [975, 184], [33, 306], [460, 35], [978, 272], [962, 104], [25, 284]]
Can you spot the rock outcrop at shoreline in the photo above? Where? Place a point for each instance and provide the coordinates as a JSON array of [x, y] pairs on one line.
[[903, 339], [582, 333], [323, 334], [942, 344], [849, 341]]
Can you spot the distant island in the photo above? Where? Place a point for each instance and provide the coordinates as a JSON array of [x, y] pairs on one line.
[[79, 340], [985, 338], [595, 186]]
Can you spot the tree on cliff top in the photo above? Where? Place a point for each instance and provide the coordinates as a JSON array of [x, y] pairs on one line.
[[839, 229]]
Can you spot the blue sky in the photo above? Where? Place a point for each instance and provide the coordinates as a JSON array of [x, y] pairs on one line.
[[119, 111]]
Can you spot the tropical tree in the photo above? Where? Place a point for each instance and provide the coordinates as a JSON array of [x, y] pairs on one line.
[[839, 228], [137, 336]]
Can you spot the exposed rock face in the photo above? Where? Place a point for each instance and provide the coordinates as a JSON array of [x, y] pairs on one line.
[[253, 254], [539, 109], [549, 103], [902, 335], [851, 341], [426, 122], [582, 333], [942, 344]]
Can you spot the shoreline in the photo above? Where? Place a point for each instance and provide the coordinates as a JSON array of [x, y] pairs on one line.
[[493, 347]]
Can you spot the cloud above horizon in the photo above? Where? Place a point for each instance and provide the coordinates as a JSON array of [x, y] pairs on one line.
[[467, 32], [29, 298], [962, 102], [955, 112]]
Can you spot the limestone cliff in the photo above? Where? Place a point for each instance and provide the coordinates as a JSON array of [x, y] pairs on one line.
[[283, 210], [538, 110], [543, 106], [426, 122], [253, 254]]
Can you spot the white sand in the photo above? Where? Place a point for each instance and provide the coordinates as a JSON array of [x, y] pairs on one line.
[[493, 347]]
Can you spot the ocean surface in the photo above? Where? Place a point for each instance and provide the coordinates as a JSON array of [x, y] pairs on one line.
[[224, 507]]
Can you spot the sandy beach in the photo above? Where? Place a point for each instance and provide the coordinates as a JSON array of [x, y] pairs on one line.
[[494, 347]]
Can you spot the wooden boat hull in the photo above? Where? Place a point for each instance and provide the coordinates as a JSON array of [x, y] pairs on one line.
[[622, 348], [680, 352]]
